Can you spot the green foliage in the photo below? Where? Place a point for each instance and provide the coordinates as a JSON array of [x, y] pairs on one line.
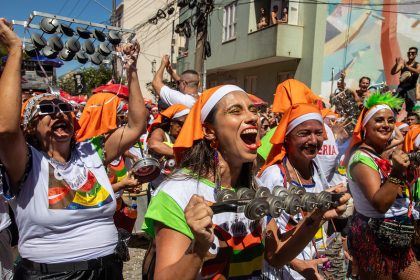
[[92, 78], [383, 98], [171, 84]]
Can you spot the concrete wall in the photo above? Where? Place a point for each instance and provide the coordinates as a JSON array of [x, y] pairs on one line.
[[155, 40], [266, 77], [283, 48]]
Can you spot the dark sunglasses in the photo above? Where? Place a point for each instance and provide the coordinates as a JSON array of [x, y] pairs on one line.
[[52, 108], [414, 53]]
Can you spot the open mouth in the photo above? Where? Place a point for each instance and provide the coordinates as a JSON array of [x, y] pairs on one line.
[[61, 128], [249, 137]]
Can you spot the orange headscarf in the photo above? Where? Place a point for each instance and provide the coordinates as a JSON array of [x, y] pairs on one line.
[[174, 111], [364, 117], [410, 139], [192, 129], [295, 115], [99, 116], [328, 112], [292, 92]]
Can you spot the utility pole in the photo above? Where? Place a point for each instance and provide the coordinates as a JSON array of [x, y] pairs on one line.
[[113, 23], [199, 49], [204, 9]]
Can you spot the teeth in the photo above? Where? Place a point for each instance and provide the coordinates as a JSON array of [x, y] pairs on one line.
[[250, 131]]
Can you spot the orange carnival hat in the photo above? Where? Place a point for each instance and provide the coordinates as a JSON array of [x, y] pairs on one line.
[[328, 112], [372, 105], [192, 130], [412, 140], [294, 116], [292, 92], [172, 112], [99, 116]]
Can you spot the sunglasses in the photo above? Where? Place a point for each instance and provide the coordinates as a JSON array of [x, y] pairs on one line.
[[413, 53], [52, 108]]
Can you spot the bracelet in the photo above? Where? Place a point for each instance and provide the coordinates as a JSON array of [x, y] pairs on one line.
[[396, 181]]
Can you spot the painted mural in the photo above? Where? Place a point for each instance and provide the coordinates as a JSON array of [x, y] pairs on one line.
[[365, 37]]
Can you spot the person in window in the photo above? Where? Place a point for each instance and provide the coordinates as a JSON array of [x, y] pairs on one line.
[[263, 21], [284, 16], [274, 18]]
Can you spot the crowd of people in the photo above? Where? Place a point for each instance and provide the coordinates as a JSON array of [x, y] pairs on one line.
[[292, 190]]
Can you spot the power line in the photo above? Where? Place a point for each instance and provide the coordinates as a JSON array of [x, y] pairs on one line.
[[134, 11], [100, 4], [62, 7], [74, 7], [84, 8]]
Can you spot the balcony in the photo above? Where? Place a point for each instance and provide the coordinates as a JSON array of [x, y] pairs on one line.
[[275, 43]]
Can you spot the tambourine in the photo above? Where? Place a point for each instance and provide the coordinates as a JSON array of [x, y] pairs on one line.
[[146, 169]]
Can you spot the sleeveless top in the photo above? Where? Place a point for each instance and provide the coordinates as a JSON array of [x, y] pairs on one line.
[[361, 203]]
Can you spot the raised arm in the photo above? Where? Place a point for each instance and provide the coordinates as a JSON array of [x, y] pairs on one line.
[[157, 82], [13, 149], [124, 137], [173, 73], [414, 70], [156, 145], [399, 64], [381, 196]]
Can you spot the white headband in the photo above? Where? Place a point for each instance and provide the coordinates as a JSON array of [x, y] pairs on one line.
[[216, 96], [372, 111], [303, 118], [403, 125], [181, 113]]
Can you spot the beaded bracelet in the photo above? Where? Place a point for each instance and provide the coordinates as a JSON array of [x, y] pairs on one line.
[[395, 181]]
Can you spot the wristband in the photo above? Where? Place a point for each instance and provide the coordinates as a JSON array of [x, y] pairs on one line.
[[395, 180]]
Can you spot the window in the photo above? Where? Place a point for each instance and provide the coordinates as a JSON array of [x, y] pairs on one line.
[[251, 84], [229, 22]]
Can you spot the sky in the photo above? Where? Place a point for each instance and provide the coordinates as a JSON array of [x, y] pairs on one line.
[[98, 11]]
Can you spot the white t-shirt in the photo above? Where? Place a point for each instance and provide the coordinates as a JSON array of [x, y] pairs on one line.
[[65, 214], [171, 97], [328, 154], [238, 247], [270, 178]]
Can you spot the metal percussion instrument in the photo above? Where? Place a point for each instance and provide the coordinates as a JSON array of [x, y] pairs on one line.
[[146, 169]]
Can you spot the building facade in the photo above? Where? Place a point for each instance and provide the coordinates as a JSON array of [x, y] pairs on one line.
[[257, 59], [154, 23]]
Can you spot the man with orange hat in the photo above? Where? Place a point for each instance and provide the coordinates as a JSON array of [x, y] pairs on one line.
[[293, 161]]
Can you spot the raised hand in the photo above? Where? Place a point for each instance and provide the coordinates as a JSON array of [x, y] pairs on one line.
[[8, 37], [130, 53]]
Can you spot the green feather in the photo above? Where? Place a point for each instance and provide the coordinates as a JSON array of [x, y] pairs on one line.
[[385, 98]]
